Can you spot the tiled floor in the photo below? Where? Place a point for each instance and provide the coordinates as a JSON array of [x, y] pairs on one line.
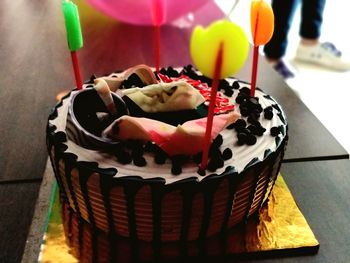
[[313, 84]]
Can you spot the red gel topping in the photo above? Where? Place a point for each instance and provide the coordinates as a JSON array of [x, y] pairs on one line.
[[222, 104]]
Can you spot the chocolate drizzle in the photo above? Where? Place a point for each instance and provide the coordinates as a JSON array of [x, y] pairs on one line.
[[278, 140], [54, 162], [84, 175], [234, 179], [70, 216], [134, 185], [268, 180], [209, 186], [187, 201], [157, 196], [106, 184], [257, 170], [276, 160], [69, 160], [251, 163]]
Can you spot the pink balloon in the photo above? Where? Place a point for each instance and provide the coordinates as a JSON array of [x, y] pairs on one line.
[[140, 11]]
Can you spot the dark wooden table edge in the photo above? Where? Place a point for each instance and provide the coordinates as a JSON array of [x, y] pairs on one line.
[[317, 158], [22, 181], [39, 220], [272, 254]]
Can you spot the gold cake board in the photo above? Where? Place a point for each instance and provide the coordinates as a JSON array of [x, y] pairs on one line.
[[281, 231]]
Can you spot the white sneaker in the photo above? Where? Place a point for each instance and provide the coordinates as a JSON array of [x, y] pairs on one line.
[[323, 54]]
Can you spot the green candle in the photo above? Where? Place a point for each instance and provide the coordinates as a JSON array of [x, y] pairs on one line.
[[71, 17]]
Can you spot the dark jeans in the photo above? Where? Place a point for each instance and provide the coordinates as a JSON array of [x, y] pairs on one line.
[[310, 25]]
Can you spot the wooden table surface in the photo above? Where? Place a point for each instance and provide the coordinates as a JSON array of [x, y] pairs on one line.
[[35, 65], [321, 190]]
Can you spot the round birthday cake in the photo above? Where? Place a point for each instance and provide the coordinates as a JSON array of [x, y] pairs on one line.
[[127, 150]]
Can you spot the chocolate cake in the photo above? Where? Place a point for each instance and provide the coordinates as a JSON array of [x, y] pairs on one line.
[[127, 166]]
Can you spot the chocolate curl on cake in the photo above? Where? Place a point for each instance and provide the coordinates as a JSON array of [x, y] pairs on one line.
[[104, 92], [183, 139], [74, 36], [225, 46], [143, 72], [165, 97], [262, 26]]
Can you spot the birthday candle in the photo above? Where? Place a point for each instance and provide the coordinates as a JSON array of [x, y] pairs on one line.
[[218, 52], [74, 36], [158, 20], [262, 25]]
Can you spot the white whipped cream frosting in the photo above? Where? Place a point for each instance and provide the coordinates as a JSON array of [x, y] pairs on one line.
[[242, 154]]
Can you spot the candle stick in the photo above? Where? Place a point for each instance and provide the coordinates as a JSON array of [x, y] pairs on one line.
[[158, 20], [76, 69], [214, 89], [262, 25], [217, 51], [74, 36], [254, 70]]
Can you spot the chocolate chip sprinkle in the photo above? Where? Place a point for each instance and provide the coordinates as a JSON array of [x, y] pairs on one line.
[[177, 162], [227, 154], [274, 131], [235, 85], [123, 157], [215, 163], [218, 140], [176, 169], [140, 161], [159, 158], [251, 139]]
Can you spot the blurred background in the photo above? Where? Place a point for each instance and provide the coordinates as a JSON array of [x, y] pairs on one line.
[[313, 83]]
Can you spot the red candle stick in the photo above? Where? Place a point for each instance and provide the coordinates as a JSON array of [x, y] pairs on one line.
[[158, 19], [214, 89], [262, 25], [254, 70], [76, 69], [255, 56], [74, 36], [157, 47]]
